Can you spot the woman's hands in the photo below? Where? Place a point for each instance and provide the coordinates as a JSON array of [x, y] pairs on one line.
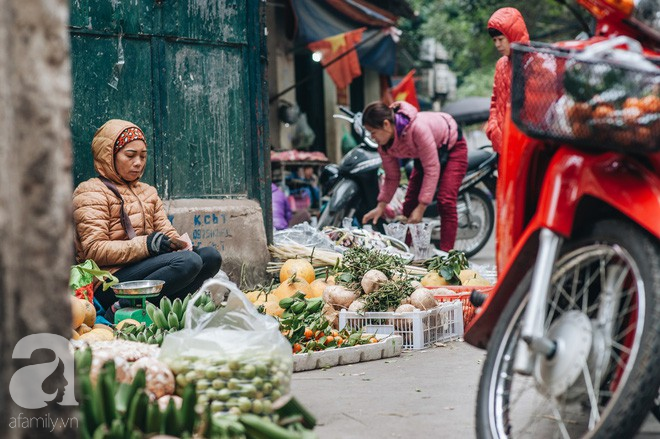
[[417, 214], [158, 243], [374, 214]]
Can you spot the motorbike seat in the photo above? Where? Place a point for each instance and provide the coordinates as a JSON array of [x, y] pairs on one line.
[[476, 157]]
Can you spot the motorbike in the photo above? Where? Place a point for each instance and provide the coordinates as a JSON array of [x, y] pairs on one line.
[[353, 190], [571, 327]]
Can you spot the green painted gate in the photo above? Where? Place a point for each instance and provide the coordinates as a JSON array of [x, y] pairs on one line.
[[191, 74]]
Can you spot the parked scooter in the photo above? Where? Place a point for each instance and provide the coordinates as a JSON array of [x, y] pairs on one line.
[[353, 188], [572, 325]]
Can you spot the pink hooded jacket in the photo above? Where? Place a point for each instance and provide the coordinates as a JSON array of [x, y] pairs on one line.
[[420, 139], [510, 22]]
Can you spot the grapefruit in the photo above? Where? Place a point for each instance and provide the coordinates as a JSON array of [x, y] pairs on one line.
[[300, 267]]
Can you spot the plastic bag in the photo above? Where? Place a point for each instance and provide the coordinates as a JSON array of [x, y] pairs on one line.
[[237, 357], [303, 234], [83, 277]]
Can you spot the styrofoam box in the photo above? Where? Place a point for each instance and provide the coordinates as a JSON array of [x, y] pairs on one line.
[[419, 329], [385, 348]]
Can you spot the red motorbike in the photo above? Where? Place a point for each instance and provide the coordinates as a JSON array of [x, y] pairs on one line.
[[572, 327]]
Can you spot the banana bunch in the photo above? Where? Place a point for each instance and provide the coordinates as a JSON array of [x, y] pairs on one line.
[[167, 318], [112, 410]]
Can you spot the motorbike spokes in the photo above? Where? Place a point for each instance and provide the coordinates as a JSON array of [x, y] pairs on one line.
[[593, 310]]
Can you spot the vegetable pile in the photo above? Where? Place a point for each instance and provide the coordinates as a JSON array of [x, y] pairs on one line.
[[167, 319]]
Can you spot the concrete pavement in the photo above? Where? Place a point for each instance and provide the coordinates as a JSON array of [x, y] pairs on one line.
[[428, 393]]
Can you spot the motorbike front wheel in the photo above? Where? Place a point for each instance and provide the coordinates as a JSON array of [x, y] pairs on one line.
[[603, 313]]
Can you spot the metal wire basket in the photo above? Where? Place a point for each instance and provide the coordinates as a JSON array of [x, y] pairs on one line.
[[593, 103]]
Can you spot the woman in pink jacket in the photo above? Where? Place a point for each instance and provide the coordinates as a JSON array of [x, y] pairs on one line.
[[438, 148]]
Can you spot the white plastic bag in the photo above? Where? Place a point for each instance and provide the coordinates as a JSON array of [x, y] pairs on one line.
[[237, 358]]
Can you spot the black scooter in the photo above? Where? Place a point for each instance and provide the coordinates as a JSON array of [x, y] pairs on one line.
[[352, 187]]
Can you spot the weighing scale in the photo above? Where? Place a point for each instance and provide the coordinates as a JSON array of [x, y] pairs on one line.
[[137, 292]]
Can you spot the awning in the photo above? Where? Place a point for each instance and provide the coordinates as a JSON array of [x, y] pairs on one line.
[[317, 20]]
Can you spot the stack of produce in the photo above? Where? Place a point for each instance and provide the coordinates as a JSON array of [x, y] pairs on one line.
[[307, 328], [452, 269], [112, 408], [235, 386], [167, 319], [84, 324]]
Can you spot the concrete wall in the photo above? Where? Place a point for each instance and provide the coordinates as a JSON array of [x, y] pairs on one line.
[[234, 227]]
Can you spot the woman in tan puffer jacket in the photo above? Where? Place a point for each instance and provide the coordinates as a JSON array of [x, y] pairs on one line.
[[150, 252]]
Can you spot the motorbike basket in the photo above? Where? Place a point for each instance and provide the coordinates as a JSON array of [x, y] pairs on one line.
[[596, 104]]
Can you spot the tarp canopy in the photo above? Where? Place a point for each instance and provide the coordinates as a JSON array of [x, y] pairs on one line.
[[317, 20], [469, 110]]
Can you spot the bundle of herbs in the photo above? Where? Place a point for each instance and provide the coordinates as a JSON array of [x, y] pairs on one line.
[[389, 296], [449, 266], [357, 261]]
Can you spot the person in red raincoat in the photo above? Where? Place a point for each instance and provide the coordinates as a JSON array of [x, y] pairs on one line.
[[505, 26]]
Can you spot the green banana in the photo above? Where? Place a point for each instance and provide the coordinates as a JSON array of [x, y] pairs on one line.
[[187, 411], [172, 320], [186, 300], [101, 432], [117, 429], [83, 360], [209, 307], [159, 339], [169, 422], [258, 427], [90, 409], [137, 412], [182, 323], [150, 310], [165, 305], [141, 337], [106, 392], [153, 419], [177, 307], [160, 320]]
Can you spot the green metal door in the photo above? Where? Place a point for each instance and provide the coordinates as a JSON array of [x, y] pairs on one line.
[[191, 74]]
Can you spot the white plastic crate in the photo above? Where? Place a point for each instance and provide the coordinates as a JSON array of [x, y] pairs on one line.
[[419, 329]]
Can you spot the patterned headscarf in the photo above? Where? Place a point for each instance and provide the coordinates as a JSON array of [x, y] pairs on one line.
[[127, 136]]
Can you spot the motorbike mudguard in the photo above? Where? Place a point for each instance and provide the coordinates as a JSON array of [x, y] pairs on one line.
[[611, 179], [343, 193]]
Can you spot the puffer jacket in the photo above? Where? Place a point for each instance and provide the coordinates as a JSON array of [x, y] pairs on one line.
[[420, 139], [510, 22], [99, 233]]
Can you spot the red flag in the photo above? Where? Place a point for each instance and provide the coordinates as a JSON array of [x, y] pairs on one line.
[[405, 90], [347, 67]]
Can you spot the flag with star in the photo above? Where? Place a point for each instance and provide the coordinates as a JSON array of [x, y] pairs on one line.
[[339, 56], [405, 90]]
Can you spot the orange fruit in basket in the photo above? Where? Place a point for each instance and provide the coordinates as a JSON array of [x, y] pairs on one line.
[[300, 267], [650, 104], [602, 111], [631, 102]]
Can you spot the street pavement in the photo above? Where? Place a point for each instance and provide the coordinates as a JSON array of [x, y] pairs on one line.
[[428, 393]]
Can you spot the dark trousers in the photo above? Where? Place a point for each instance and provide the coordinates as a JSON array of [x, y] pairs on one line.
[[183, 273], [451, 176]]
